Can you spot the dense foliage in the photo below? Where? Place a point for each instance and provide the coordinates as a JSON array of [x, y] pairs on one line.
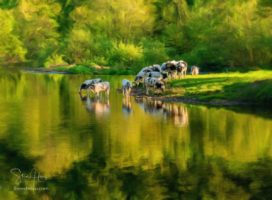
[[131, 34]]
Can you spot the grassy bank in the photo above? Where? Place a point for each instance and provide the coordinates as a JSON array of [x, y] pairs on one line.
[[251, 87]]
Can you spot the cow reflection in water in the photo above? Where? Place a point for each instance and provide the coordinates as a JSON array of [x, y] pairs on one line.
[[150, 106], [99, 106], [177, 112], [126, 105]]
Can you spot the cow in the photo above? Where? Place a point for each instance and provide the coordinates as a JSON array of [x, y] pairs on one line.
[[156, 68], [86, 84], [139, 79], [159, 75], [194, 70], [150, 71], [126, 87], [182, 68], [97, 88], [170, 67], [154, 83]]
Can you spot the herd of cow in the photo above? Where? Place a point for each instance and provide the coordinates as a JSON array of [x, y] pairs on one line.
[[151, 77]]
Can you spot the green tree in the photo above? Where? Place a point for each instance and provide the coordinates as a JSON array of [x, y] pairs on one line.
[[11, 48]]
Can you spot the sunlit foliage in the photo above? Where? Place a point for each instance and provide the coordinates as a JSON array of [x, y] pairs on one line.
[[212, 34]]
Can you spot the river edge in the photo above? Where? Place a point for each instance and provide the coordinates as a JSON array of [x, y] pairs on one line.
[[176, 97], [139, 93]]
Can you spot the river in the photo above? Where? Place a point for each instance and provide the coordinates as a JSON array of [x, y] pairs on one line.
[[55, 144]]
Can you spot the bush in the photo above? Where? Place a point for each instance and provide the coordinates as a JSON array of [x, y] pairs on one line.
[[125, 55], [154, 52], [78, 69], [54, 60]]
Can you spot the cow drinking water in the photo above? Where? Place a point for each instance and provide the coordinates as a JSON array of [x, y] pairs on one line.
[[86, 84], [126, 87], [154, 83], [98, 88]]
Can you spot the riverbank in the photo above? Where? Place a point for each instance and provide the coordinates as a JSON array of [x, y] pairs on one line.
[[228, 89], [91, 70], [222, 89]]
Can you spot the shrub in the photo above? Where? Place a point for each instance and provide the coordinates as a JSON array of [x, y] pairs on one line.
[[55, 60], [125, 54]]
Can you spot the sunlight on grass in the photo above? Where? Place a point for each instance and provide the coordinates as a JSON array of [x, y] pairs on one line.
[[255, 85]]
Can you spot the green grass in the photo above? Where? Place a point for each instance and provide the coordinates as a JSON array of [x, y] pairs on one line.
[[250, 87], [77, 69]]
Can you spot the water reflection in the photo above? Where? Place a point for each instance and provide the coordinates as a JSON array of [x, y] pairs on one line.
[[150, 106], [178, 113], [99, 106], [44, 125], [126, 105]]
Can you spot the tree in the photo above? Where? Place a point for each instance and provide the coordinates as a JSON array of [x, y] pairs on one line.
[[11, 48]]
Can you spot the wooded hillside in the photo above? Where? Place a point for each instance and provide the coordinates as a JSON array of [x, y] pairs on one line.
[[131, 34]]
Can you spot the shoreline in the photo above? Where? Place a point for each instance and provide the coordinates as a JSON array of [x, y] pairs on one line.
[[138, 93], [195, 101], [231, 89]]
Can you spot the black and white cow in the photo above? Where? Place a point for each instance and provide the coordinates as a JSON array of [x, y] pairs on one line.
[[170, 67], [150, 71], [140, 77], [159, 75], [156, 68], [182, 68], [86, 84], [126, 87], [97, 88], [153, 83]]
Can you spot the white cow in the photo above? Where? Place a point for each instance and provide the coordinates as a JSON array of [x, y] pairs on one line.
[[194, 70], [126, 87]]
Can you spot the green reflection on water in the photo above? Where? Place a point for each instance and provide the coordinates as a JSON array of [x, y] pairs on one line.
[[126, 148]]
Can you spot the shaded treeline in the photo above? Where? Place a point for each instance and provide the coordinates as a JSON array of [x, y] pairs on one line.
[[131, 34]]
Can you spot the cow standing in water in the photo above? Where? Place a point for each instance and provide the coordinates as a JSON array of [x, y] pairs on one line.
[[126, 87], [98, 88], [86, 84]]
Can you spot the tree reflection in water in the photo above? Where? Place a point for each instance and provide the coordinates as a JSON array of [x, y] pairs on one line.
[[89, 149]]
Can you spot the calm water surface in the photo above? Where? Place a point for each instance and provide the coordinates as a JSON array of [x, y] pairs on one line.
[[55, 144]]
